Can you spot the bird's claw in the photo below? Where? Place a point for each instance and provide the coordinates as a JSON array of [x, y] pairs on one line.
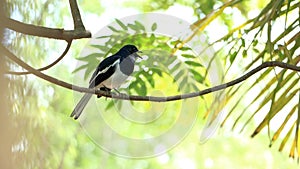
[[106, 90]]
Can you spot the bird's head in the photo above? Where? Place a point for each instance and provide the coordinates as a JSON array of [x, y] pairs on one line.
[[129, 50]]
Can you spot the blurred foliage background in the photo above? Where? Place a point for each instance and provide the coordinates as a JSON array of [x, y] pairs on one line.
[[243, 34]]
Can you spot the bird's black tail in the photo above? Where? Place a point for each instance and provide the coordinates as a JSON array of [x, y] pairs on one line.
[[81, 105]]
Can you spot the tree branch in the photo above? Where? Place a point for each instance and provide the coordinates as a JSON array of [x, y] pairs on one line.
[[78, 32], [41, 31], [55, 33], [78, 25], [48, 66], [146, 98]]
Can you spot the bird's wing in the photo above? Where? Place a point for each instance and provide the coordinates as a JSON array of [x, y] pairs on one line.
[[104, 70]]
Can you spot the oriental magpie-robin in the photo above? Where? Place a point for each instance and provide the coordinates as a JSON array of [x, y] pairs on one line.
[[110, 74]]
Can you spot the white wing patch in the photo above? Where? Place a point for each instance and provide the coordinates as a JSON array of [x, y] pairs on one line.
[[115, 80], [105, 70]]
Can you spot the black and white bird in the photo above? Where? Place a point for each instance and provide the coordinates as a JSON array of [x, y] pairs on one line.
[[110, 74]]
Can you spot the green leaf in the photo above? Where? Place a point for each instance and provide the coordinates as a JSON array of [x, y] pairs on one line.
[[279, 130], [154, 26], [140, 88], [143, 89], [199, 78], [243, 43], [264, 102], [179, 75], [157, 71], [175, 67], [80, 68], [233, 56], [133, 27], [110, 105], [245, 53], [91, 57], [113, 29], [152, 38], [256, 50], [88, 71], [175, 42], [183, 83], [194, 87], [105, 36], [121, 24], [287, 136], [185, 48], [192, 63], [140, 25], [278, 105], [297, 125], [270, 83], [149, 78], [132, 86], [188, 56]]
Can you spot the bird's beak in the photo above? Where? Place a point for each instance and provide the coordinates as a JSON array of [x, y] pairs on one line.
[[136, 54]]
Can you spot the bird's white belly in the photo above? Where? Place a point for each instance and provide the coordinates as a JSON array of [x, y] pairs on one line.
[[115, 80]]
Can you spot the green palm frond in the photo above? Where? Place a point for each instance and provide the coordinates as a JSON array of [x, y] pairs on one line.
[[275, 92]]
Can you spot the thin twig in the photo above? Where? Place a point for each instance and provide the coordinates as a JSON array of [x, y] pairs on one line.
[[146, 98], [48, 66]]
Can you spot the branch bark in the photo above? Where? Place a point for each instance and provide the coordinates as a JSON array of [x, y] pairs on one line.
[[78, 25], [55, 33], [40, 31], [48, 66], [146, 98]]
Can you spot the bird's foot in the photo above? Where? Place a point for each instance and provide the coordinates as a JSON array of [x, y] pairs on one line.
[[107, 90]]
